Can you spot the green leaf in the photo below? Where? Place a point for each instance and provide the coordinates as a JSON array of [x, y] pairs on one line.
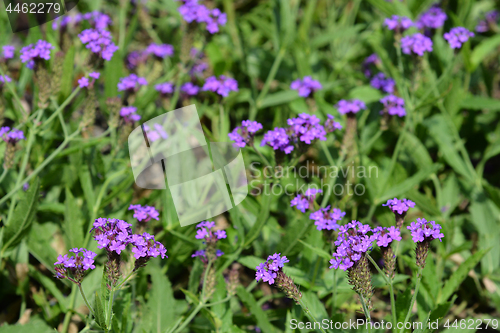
[[113, 72], [481, 103], [105, 292], [262, 218], [161, 301], [255, 310], [35, 325], [483, 50], [87, 186], [100, 314], [322, 253], [251, 261], [19, 225], [67, 77], [460, 274], [278, 98], [73, 221], [365, 93]]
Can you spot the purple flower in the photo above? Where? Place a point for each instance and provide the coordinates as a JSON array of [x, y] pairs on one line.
[[220, 234], [96, 19], [131, 83], [192, 11], [398, 23], [144, 214], [243, 135], [457, 36], [190, 89], [165, 88], [416, 43], [490, 20], [305, 86], [198, 69], [111, 234], [423, 230], [26, 186], [381, 82], [352, 242], [156, 133], [394, 105], [8, 51], [399, 206], [433, 18], [35, 52], [221, 85], [300, 202], [129, 115], [326, 219], [278, 140], [144, 246], [135, 58], [307, 128], [204, 231], [11, 136], [198, 253], [370, 61], [99, 41], [4, 79], [160, 50], [331, 125], [385, 236], [83, 82], [353, 106], [77, 265], [268, 270]]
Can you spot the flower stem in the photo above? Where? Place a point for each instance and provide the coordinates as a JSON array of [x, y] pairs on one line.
[[85, 299], [309, 314], [4, 173], [262, 157], [414, 297], [366, 311], [191, 316], [124, 280]]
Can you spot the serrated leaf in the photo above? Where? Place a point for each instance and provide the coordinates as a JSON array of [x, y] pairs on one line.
[[67, 77], [73, 221], [161, 302], [100, 314], [460, 274], [19, 224]]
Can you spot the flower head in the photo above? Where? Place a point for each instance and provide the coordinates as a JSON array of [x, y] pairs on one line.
[[326, 219], [85, 82], [160, 50], [307, 128], [205, 231], [129, 115], [221, 85], [96, 19], [98, 41], [144, 246], [457, 36], [244, 134], [490, 19], [155, 133], [192, 11], [131, 83], [144, 214], [278, 139], [165, 88], [305, 86], [423, 230], [395, 106], [381, 82], [385, 236], [75, 267], [35, 52], [331, 125], [11, 136], [433, 18], [370, 61], [398, 23], [111, 234], [7, 52], [417, 44], [350, 106], [190, 89], [399, 206]]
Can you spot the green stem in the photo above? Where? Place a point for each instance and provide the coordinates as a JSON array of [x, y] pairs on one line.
[[191, 316], [126, 278], [11, 86], [413, 298], [218, 302], [85, 299], [4, 173], [262, 157], [205, 281], [309, 314], [61, 107], [110, 307], [67, 317], [366, 311], [393, 304]]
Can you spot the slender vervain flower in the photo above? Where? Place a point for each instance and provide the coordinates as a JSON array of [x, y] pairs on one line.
[[243, 135], [371, 61], [393, 105], [210, 238], [423, 233], [271, 272], [385, 237], [399, 208], [144, 213], [433, 18], [11, 137], [74, 268], [221, 85], [326, 219], [306, 200], [160, 51], [131, 83], [354, 241], [383, 83], [7, 52], [398, 23], [457, 36], [306, 86], [34, 54], [489, 22], [99, 42], [416, 44]]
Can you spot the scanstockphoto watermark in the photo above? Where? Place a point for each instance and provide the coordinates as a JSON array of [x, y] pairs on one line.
[[360, 324], [296, 175]]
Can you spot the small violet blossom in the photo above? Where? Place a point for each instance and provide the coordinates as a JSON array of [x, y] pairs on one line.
[[398, 23], [417, 44], [221, 85], [457, 36], [35, 52], [99, 41], [433, 18], [326, 219], [350, 106], [394, 105], [129, 115], [131, 83], [244, 134], [383, 83], [423, 230], [144, 214], [11, 136], [305, 86]]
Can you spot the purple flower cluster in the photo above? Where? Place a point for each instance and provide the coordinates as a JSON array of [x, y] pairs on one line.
[[371, 60], [399, 206], [305, 86], [204, 231], [221, 85], [131, 83], [192, 11], [160, 50], [307, 128], [331, 125], [352, 242], [381, 82], [394, 105], [37, 51], [267, 271], [490, 19], [385, 236], [398, 23], [4, 79], [99, 41], [8, 52], [416, 43], [202, 254], [243, 135], [155, 134], [199, 66], [326, 219], [423, 230], [165, 88], [278, 139], [190, 89], [306, 200], [11, 136], [146, 213], [457, 36], [433, 18], [76, 264], [85, 82], [129, 115], [350, 106], [135, 58], [96, 19], [144, 246]]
